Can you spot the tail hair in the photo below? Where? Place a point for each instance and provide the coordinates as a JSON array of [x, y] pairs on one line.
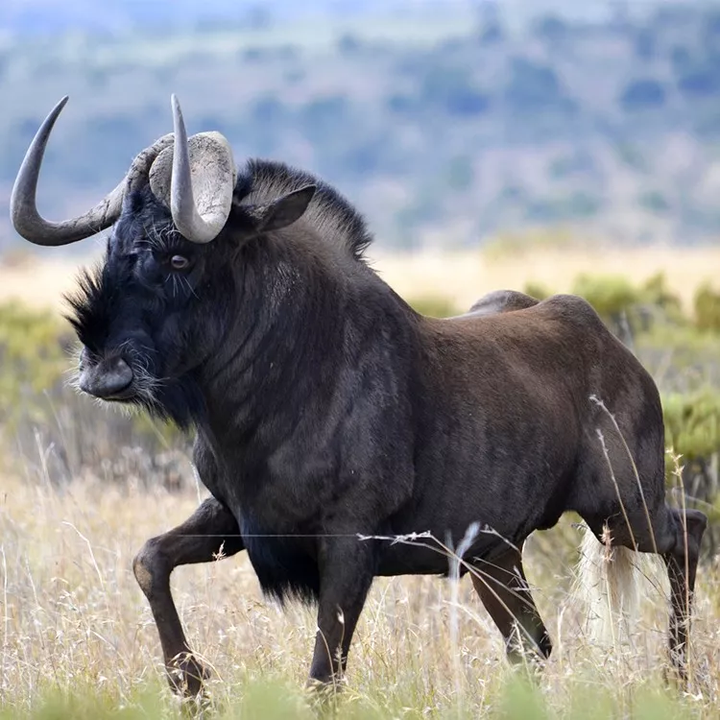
[[607, 584]]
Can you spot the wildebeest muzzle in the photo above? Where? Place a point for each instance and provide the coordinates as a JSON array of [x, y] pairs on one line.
[[109, 378]]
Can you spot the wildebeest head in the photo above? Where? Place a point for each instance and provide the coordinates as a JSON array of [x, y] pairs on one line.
[[148, 316]]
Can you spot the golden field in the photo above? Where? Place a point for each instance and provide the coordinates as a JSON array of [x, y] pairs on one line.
[[77, 633]]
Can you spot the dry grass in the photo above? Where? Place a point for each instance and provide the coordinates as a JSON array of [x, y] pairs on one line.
[[76, 628]]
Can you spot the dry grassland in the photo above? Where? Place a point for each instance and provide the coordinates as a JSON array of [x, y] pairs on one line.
[[77, 629]]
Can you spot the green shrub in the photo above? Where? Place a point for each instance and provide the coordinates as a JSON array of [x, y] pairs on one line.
[[656, 293], [692, 423], [682, 358], [692, 430], [707, 308], [610, 295], [628, 307], [536, 290], [437, 306], [32, 357], [614, 297]]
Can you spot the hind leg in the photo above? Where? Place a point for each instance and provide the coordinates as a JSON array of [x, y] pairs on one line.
[[681, 561], [504, 591], [676, 536]]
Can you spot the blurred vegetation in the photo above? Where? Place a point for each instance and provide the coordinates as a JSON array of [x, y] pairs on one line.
[[458, 120], [692, 429], [436, 306], [513, 245], [515, 698], [31, 358], [707, 309]]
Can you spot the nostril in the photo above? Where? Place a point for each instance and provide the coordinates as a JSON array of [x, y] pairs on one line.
[[108, 379], [119, 365]]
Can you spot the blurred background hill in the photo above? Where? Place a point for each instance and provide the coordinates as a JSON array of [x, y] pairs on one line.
[[447, 123]]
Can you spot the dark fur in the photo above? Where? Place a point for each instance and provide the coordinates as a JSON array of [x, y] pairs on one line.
[[325, 406]]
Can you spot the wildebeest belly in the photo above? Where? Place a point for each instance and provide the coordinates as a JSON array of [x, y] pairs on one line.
[[508, 475], [427, 556], [285, 563]]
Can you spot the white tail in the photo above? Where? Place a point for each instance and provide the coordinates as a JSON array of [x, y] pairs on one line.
[[607, 583]]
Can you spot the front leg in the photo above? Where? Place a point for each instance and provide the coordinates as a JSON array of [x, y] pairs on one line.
[[347, 568], [197, 540]]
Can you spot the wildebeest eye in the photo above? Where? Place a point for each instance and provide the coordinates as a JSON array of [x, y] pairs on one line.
[[179, 262]]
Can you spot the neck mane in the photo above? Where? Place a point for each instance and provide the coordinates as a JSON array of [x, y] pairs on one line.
[[308, 308], [330, 217]]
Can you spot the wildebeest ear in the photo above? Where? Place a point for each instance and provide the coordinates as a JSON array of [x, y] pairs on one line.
[[286, 209]]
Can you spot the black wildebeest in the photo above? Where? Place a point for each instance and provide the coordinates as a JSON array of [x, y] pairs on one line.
[[240, 303]]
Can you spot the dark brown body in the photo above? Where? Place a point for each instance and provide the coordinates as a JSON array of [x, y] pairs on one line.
[[525, 379], [516, 412]]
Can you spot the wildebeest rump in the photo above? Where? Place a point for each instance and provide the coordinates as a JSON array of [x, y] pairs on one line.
[[325, 407]]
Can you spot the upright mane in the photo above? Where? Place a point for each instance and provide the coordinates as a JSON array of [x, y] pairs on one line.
[[330, 214]]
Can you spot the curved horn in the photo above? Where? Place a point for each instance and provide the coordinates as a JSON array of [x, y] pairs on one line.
[[139, 173], [26, 219], [214, 180]]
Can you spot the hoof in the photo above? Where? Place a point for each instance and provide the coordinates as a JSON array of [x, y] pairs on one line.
[[186, 675], [675, 673], [326, 688]]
